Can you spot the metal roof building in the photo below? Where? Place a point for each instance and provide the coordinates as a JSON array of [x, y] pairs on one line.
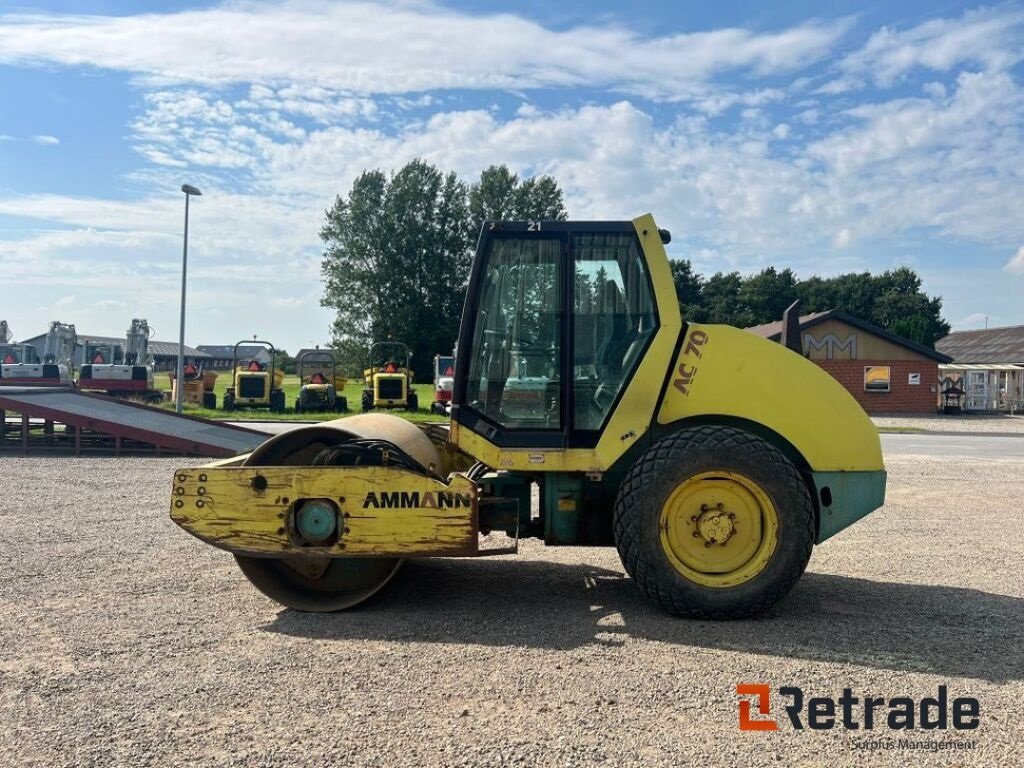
[[221, 355], [988, 364], [991, 345], [164, 353]]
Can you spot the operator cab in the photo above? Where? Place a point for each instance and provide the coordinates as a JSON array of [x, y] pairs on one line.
[[558, 317], [18, 354], [104, 354]]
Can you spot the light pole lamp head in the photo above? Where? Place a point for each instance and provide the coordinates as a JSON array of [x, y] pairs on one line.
[[188, 189]]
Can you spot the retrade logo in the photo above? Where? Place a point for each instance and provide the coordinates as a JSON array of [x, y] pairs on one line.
[[822, 713], [762, 696]]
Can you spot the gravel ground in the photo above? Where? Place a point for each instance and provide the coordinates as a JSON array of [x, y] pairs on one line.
[[981, 424], [126, 642]]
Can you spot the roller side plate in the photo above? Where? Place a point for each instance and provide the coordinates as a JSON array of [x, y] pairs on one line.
[[381, 511]]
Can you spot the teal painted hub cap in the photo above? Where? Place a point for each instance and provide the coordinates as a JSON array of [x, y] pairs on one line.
[[316, 520]]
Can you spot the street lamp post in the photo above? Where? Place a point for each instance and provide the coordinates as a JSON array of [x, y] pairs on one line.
[[189, 190]]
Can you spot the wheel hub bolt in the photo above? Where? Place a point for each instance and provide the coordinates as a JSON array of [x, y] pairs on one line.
[[715, 525]]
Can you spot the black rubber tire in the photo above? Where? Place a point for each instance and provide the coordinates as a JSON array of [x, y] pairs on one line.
[[298, 405], [665, 465], [412, 402], [277, 401], [341, 404], [210, 400], [367, 401], [229, 401]]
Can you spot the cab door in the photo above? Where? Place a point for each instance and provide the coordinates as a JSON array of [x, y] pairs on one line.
[[510, 381], [612, 324], [558, 317]]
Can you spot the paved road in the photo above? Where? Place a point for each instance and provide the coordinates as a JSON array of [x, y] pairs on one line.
[[975, 446], [273, 427], [924, 444]]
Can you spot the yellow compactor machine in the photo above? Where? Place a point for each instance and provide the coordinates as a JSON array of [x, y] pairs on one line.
[[585, 412]]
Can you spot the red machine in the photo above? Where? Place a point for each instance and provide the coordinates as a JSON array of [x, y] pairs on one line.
[[120, 373], [444, 382], [20, 364]]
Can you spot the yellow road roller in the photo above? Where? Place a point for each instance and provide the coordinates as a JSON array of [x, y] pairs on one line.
[[585, 412], [255, 384], [388, 379]]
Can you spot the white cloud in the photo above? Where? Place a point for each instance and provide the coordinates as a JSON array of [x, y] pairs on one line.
[[887, 172], [96, 213], [974, 320], [322, 98], [287, 302], [986, 37], [19, 257], [981, 105], [1016, 264], [386, 47], [109, 305], [41, 139], [809, 116], [955, 164], [718, 101]]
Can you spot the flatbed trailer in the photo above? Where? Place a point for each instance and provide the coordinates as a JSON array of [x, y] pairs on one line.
[[61, 420]]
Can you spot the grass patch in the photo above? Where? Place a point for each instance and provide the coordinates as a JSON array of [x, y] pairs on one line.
[[352, 392]]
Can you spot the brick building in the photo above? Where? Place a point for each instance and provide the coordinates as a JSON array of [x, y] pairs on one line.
[[884, 372]]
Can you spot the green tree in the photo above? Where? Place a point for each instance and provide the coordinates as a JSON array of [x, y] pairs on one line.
[[893, 300], [428, 262], [500, 195], [853, 292], [284, 361], [356, 250], [395, 263], [766, 295], [689, 287], [397, 252], [722, 302], [914, 316]]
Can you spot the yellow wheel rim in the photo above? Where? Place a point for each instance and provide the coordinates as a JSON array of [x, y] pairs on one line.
[[719, 529]]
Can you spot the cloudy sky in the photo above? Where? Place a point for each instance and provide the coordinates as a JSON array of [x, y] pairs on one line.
[[826, 137]]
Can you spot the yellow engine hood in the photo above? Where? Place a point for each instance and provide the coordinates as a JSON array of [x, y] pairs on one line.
[[725, 371]]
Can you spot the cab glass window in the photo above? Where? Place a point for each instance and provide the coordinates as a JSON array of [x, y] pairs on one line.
[[614, 319], [515, 364]]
